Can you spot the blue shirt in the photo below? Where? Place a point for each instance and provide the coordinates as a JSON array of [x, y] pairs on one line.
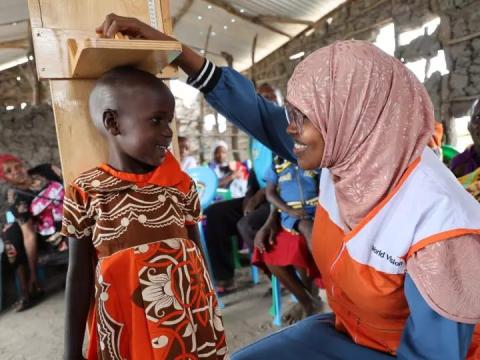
[[298, 188], [427, 335]]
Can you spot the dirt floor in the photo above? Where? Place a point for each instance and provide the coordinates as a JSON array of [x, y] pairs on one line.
[[37, 334]]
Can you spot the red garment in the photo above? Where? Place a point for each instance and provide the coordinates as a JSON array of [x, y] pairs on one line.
[[154, 299], [6, 158], [289, 249]]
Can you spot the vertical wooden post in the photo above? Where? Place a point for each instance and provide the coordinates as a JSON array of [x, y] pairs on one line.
[[53, 23]]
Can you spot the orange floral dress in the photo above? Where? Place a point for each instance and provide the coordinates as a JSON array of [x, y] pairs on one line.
[[153, 295]]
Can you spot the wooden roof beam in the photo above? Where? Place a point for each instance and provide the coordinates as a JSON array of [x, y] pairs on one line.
[[252, 19], [284, 20], [188, 4], [15, 44]]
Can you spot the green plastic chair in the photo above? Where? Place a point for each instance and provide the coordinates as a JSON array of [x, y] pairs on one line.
[[449, 152]]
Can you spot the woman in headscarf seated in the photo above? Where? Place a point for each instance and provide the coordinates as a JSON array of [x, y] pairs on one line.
[[395, 236], [35, 200]]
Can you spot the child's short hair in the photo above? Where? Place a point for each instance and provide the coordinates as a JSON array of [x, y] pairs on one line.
[[107, 89]]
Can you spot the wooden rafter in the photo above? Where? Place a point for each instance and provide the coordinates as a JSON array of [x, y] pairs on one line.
[[15, 22], [15, 44], [284, 20], [252, 19], [228, 58], [188, 4], [254, 48]]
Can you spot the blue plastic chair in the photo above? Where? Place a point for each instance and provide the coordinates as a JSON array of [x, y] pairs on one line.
[[262, 158], [276, 301], [207, 183]]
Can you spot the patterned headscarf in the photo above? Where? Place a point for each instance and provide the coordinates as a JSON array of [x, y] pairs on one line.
[[6, 158], [374, 115]]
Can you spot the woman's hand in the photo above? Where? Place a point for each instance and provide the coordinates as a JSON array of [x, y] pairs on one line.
[[188, 60], [129, 26]]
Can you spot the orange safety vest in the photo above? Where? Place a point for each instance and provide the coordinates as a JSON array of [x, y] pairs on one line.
[[364, 269]]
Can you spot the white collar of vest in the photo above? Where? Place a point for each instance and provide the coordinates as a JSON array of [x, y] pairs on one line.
[[429, 206]]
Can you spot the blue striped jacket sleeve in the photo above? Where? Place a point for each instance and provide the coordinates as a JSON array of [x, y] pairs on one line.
[[234, 96]]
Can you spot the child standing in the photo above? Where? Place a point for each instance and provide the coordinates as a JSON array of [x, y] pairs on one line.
[[134, 239], [294, 192]]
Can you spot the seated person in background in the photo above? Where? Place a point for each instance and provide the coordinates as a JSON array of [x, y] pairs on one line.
[[268, 92], [469, 160], [284, 247], [186, 161], [436, 142], [35, 199], [241, 216], [220, 164], [231, 175], [471, 183]]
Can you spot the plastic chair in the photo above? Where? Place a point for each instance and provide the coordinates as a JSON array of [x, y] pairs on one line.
[[449, 152], [2, 249], [207, 183], [261, 159], [276, 301], [225, 194]]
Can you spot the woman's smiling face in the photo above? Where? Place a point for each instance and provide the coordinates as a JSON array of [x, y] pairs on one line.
[[309, 144]]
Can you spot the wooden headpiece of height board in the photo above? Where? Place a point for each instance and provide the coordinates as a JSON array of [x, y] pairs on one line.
[[68, 53]]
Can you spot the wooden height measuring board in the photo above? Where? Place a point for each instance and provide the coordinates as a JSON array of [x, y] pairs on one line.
[[68, 53]]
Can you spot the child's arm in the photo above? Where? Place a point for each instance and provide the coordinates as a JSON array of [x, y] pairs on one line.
[[194, 235], [78, 295], [265, 236], [227, 179], [252, 202], [278, 202]]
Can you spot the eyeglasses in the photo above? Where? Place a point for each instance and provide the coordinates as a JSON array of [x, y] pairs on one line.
[[294, 116]]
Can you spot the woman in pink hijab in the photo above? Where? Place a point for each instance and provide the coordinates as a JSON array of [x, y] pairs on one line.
[[396, 238]]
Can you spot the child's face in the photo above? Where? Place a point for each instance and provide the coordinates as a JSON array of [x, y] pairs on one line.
[[15, 173], [144, 132], [220, 154], [184, 148]]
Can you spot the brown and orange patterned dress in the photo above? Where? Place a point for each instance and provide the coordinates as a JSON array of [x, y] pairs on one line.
[[153, 294]]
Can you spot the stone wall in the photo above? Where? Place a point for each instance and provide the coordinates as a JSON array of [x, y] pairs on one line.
[[458, 35], [30, 135], [19, 85]]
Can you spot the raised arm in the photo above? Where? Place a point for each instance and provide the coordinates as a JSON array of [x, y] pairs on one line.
[[229, 92]]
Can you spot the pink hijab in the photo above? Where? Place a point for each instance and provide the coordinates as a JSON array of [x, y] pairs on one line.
[[375, 117]]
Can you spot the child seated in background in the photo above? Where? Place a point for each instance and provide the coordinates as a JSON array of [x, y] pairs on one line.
[[187, 161], [135, 219], [232, 175], [283, 245]]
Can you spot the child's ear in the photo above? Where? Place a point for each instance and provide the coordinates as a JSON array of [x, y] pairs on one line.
[[110, 121]]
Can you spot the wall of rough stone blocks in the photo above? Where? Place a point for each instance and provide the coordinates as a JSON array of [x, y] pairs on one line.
[[30, 135], [458, 35]]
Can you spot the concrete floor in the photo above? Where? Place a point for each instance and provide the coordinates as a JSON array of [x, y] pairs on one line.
[[37, 333]]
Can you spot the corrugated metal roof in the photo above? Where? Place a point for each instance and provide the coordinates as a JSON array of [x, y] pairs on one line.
[[12, 27], [230, 33], [237, 39]]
